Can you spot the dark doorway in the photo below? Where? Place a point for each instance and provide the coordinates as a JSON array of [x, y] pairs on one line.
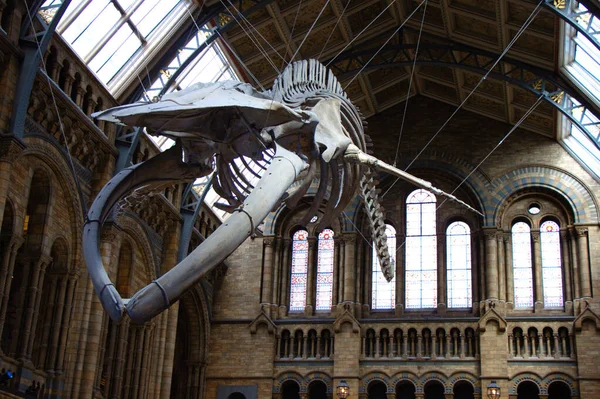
[[559, 390], [405, 390], [528, 390], [377, 390], [463, 390], [317, 390], [290, 390], [237, 395], [434, 390]]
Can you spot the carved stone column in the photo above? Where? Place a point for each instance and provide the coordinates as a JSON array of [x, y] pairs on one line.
[[491, 263], [349, 267], [538, 293], [556, 346], [276, 268], [57, 320], [267, 292], [508, 263], [37, 277], [584, 262], [501, 256], [566, 265], [336, 273], [360, 269], [285, 278], [511, 353], [441, 274], [311, 279], [7, 274], [575, 264], [67, 316]]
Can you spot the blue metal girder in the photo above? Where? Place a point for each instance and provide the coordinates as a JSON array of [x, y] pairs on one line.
[[538, 81], [34, 44], [167, 74], [191, 203], [582, 21]]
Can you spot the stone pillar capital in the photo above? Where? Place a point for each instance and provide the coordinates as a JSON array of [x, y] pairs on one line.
[[10, 147], [269, 242]]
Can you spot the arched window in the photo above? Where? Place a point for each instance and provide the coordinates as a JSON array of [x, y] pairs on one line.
[[458, 245], [299, 271], [421, 251], [522, 269], [325, 270], [551, 264], [384, 293]]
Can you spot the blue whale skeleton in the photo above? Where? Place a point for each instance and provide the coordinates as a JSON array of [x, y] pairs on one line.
[[305, 127]]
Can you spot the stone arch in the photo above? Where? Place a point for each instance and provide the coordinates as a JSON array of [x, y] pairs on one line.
[[465, 376], [140, 237], [433, 376], [519, 378], [559, 377], [477, 184], [48, 156], [191, 344], [61, 256], [560, 182], [289, 376], [402, 377], [374, 376], [319, 376]]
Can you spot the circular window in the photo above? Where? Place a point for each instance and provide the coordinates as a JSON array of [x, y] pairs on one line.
[[534, 209]]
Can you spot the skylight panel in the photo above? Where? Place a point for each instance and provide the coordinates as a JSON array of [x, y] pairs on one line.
[[111, 36]]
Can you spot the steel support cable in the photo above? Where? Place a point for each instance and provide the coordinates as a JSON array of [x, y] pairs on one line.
[[529, 111], [525, 25], [248, 23], [230, 50], [384, 44], [334, 28], [242, 63], [60, 122], [252, 27], [412, 74], [253, 39], [287, 48], [309, 30], [361, 32]]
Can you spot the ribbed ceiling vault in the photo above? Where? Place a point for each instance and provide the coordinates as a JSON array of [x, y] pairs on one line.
[[482, 24]]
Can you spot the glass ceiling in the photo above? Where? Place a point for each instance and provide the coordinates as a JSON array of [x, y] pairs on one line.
[[581, 65], [116, 37]]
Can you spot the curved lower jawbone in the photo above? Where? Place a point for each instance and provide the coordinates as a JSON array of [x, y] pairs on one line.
[[161, 293]]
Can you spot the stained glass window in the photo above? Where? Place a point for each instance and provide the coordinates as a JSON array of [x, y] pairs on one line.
[[551, 264], [421, 251], [522, 268], [384, 293], [299, 271], [458, 245], [325, 270]]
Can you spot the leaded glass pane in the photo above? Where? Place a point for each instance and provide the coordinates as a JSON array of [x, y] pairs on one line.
[[458, 242], [522, 268], [421, 250], [384, 293], [299, 271], [325, 270], [551, 264]]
